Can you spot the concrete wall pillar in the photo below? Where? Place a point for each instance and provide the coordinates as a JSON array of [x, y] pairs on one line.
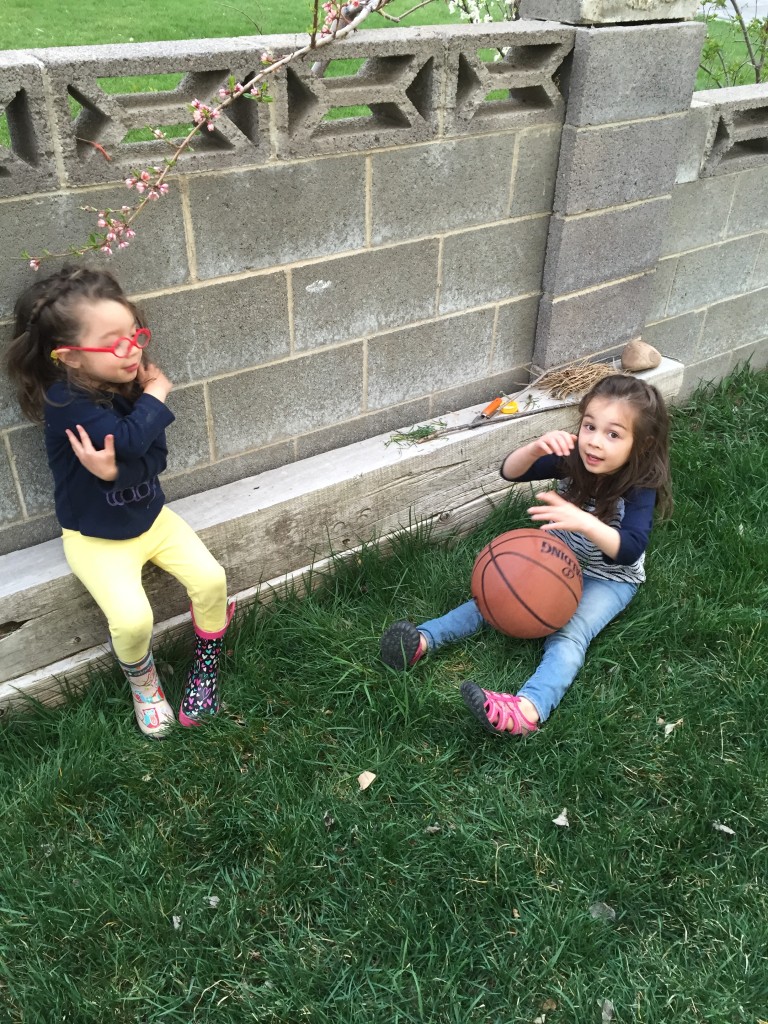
[[628, 87]]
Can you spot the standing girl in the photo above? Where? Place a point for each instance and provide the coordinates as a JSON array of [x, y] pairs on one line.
[[78, 364], [611, 478]]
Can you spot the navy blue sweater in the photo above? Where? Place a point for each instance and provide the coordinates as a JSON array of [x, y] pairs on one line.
[[113, 509]]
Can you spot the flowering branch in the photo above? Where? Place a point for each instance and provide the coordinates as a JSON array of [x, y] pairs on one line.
[[342, 17]]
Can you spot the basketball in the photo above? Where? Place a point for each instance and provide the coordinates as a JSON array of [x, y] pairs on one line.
[[526, 583]]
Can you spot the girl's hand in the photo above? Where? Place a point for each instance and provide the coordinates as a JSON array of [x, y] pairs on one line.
[[558, 514], [555, 442], [153, 381], [102, 464]]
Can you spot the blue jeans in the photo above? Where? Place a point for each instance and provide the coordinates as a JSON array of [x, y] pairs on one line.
[[564, 651]]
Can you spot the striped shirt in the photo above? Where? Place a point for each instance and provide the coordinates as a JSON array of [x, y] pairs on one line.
[[633, 519]]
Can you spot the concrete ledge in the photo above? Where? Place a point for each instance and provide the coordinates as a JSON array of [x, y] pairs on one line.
[[278, 526]]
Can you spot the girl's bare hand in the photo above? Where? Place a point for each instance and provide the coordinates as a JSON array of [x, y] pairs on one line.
[[153, 381], [556, 442], [558, 514], [102, 463]]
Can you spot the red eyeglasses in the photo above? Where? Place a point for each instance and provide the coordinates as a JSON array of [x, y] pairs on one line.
[[120, 347]]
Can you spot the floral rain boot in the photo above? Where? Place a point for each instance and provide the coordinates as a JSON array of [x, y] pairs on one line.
[[154, 715], [201, 695]]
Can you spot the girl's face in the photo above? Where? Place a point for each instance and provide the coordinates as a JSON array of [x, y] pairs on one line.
[[606, 435], [103, 322]]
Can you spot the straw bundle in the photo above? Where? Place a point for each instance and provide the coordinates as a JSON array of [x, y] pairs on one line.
[[573, 379]]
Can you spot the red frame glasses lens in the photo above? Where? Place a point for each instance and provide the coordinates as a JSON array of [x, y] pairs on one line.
[[140, 338]]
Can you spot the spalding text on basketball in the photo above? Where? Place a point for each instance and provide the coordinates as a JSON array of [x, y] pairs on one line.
[[571, 567]]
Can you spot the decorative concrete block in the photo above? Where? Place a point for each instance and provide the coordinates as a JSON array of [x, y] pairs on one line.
[[364, 293], [517, 88], [660, 288], [28, 164], [533, 187], [732, 323], [257, 407], [749, 211], [707, 275], [278, 214], [608, 166], [10, 506], [629, 72], [187, 436], [109, 118], [398, 417], [424, 190], [493, 263], [207, 330], [515, 335], [678, 337], [28, 453], [741, 133], [396, 90], [698, 213], [608, 12], [590, 322], [226, 471], [598, 247], [698, 135], [429, 357], [155, 260]]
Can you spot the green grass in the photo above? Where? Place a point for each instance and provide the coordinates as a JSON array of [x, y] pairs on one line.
[[444, 893]]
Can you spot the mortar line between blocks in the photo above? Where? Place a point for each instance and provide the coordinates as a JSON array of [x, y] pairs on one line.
[[209, 423], [189, 230], [368, 201], [15, 475], [598, 287], [289, 300]]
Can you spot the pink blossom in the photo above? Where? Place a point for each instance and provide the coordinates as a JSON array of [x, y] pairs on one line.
[[105, 249], [130, 182], [34, 264]]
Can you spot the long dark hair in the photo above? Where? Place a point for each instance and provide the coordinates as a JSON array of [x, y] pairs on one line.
[[648, 463], [47, 316]]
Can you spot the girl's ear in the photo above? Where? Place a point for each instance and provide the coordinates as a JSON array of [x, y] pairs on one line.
[[70, 358]]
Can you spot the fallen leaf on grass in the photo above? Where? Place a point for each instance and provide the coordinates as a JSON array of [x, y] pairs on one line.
[[562, 819], [606, 1014], [146, 778], [602, 912], [176, 922], [328, 821], [540, 1020], [671, 726], [212, 901], [718, 826], [548, 1005], [365, 779], [432, 829]]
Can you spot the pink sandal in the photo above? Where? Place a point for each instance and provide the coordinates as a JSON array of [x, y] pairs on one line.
[[496, 711]]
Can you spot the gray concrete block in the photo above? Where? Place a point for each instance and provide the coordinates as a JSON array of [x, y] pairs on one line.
[[226, 471], [608, 12], [759, 276], [187, 436], [28, 453], [698, 135], [698, 213], [10, 506], [590, 322], [397, 417], [629, 72], [731, 324], [750, 201], [429, 357], [241, 134], [755, 355], [27, 532], [595, 248], [703, 373], [493, 263], [660, 288], [678, 337], [515, 335], [707, 275], [429, 189], [601, 167], [533, 188], [156, 258], [28, 164], [254, 408], [398, 86], [526, 73], [741, 133], [10, 413], [364, 293], [477, 391], [279, 214], [204, 331]]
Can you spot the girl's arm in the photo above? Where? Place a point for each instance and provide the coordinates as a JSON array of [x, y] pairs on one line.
[[133, 433], [104, 465], [556, 442]]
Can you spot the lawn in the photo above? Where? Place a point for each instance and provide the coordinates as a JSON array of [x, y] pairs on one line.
[[238, 873]]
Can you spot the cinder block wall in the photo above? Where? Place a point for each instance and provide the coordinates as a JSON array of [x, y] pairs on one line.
[[310, 282], [710, 294]]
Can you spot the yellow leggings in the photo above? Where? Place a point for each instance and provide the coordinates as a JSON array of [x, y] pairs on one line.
[[110, 570]]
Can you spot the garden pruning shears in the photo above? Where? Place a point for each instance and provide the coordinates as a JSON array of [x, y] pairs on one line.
[[483, 417]]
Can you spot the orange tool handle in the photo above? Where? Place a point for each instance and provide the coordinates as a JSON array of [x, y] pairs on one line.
[[492, 408]]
